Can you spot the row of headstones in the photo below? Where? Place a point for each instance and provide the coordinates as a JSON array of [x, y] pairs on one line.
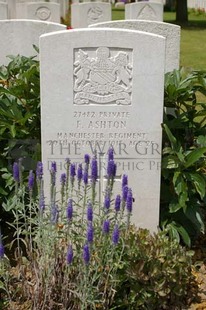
[[88, 13], [35, 10], [82, 14], [103, 86]]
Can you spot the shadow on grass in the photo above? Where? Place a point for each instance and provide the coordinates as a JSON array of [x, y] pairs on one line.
[[190, 25]]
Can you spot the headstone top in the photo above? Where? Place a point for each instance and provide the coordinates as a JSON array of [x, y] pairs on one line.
[[169, 31]]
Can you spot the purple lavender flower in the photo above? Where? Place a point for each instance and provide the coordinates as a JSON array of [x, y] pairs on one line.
[[115, 235], [124, 192], [16, 172], [90, 233], [86, 159], [39, 170], [79, 173], [107, 201], [1, 250], [31, 180], [42, 202], [85, 176], [129, 200], [86, 254], [124, 180], [53, 173], [69, 254], [94, 170], [110, 154], [72, 170], [89, 212], [54, 214], [69, 209], [117, 203], [54, 166], [106, 226], [63, 179], [111, 168]]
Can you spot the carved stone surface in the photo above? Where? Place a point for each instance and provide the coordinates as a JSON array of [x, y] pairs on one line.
[[45, 11], [87, 13], [144, 10], [88, 62], [105, 77], [169, 31]]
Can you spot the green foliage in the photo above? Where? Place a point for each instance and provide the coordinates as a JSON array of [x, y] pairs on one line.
[[157, 273], [19, 112], [183, 191]]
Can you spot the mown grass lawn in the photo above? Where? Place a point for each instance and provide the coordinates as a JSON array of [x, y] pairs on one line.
[[193, 38]]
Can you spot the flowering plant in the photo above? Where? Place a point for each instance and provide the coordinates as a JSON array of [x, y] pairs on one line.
[[67, 250]]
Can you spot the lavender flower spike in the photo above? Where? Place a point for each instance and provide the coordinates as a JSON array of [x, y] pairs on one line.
[[69, 210], [124, 180], [106, 226], [85, 177], [117, 203], [94, 170], [69, 255], [86, 254], [111, 169], [1, 250], [16, 172], [89, 212], [124, 192], [86, 159], [115, 235], [39, 170], [110, 154], [54, 166], [129, 201], [63, 179], [79, 173], [90, 233], [107, 201], [31, 180]]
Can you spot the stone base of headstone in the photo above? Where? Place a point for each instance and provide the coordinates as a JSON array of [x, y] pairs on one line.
[[44, 11], [88, 13], [3, 10], [144, 11]]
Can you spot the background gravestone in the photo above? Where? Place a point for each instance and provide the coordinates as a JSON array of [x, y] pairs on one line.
[[144, 10], [3, 10], [103, 87], [19, 36], [169, 31], [44, 11], [85, 14]]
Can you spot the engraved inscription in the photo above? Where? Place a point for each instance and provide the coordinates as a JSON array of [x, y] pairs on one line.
[[43, 13], [94, 14], [147, 12], [103, 79]]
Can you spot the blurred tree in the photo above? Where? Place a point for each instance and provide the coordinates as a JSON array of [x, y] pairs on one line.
[[181, 11]]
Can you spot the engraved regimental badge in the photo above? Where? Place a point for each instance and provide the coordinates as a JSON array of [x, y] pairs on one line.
[[102, 76]]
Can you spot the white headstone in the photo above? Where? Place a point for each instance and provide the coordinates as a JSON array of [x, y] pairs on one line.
[[44, 11], [85, 14], [3, 10], [144, 10], [169, 31], [103, 87], [19, 36]]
